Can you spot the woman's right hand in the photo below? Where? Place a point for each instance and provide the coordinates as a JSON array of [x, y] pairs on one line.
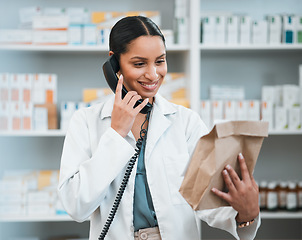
[[123, 113]]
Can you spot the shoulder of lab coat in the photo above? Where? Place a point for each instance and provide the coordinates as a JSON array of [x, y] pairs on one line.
[[81, 167], [224, 218]]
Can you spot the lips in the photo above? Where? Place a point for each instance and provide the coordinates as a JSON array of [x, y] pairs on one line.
[[149, 86]]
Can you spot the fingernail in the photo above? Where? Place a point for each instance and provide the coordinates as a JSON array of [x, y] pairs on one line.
[[225, 172], [240, 156], [213, 190], [228, 167]]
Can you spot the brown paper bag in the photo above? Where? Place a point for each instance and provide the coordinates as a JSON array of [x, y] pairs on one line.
[[213, 152]]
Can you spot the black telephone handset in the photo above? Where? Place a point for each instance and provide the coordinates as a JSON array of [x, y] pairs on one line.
[[110, 68]]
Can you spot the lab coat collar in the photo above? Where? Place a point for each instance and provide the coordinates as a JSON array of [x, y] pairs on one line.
[[161, 103]]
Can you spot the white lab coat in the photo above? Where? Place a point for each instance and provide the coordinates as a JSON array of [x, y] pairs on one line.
[[94, 159]]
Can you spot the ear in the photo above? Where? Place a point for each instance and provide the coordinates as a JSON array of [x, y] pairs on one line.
[[111, 53]]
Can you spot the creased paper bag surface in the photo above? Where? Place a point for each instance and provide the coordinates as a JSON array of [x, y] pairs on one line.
[[213, 152]]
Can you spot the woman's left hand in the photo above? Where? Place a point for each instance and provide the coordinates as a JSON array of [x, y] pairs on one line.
[[243, 193]]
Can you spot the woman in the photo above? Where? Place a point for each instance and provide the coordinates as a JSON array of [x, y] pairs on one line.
[[101, 140]]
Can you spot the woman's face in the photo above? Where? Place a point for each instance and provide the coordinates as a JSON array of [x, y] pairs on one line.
[[144, 65]]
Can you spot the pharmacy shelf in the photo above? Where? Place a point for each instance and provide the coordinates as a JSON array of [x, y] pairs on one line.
[[61, 133], [67, 218], [281, 215], [68, 48], [286, 47], [285, 132], [48, 133], [55, 218]]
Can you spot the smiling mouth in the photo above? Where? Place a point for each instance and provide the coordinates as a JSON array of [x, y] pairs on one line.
[[149, 86]]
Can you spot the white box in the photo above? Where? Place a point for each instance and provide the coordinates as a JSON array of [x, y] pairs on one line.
[[26, 116], [260, 32], [208, 30], [15, 88], [38, 93], [169, 36], [50, 88], [232, 30], [4, 116], [288, 29], [278, 95], [4, 87], [241, 110], [75, 34], [15, 116], [27, 14], [290, 95], [253, 111], [51, 37], [12, 198], [16, 36], [40, 209], [205, 113], [267, 113], [217, 111], [275, 29], [40, 119], [220, 30], [12, 185], [103, 36], [294, 118], [54, 11], [268, 94], [38, 197], [281, 121], [67, 110], [245, 30], [50, 22], [182, 30], [26, 81], [89, 34], [230, 110], [78, 15], [12, 210]]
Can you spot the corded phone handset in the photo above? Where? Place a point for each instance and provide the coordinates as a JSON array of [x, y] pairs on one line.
[[110, 68]]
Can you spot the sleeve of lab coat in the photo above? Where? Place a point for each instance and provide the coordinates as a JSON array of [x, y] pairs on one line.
[[85, 177], [224, 218]]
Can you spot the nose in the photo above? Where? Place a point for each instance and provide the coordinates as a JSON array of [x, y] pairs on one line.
[[151, 73]]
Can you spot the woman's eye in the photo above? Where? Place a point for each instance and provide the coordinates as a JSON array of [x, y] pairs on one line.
[[139, 64], [160, 61]]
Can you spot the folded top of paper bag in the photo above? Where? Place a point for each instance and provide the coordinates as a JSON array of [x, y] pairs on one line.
[[213, 152]]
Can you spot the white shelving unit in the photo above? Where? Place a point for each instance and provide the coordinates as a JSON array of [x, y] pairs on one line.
[[266, 47], [68, 48], [200, 62], [66, 218]]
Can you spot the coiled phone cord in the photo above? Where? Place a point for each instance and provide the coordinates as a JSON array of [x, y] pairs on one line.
[[119, 195]]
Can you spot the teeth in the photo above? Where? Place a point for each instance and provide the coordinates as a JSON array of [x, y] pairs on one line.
[[148, 85]]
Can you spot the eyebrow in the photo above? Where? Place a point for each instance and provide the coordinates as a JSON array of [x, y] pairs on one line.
[[142, 58]]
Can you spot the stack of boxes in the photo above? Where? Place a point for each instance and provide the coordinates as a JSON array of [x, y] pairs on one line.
[[28, 101], [283, 106], [72, 26], [241, 29], [30, 193], [280, 105]]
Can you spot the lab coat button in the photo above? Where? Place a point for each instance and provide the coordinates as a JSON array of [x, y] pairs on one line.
[[144, 236]]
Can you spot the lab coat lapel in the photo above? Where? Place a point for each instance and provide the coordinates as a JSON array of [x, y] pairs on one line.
[[159, 122]]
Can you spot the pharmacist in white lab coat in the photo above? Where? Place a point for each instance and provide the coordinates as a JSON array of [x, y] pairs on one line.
[[101, 140]]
